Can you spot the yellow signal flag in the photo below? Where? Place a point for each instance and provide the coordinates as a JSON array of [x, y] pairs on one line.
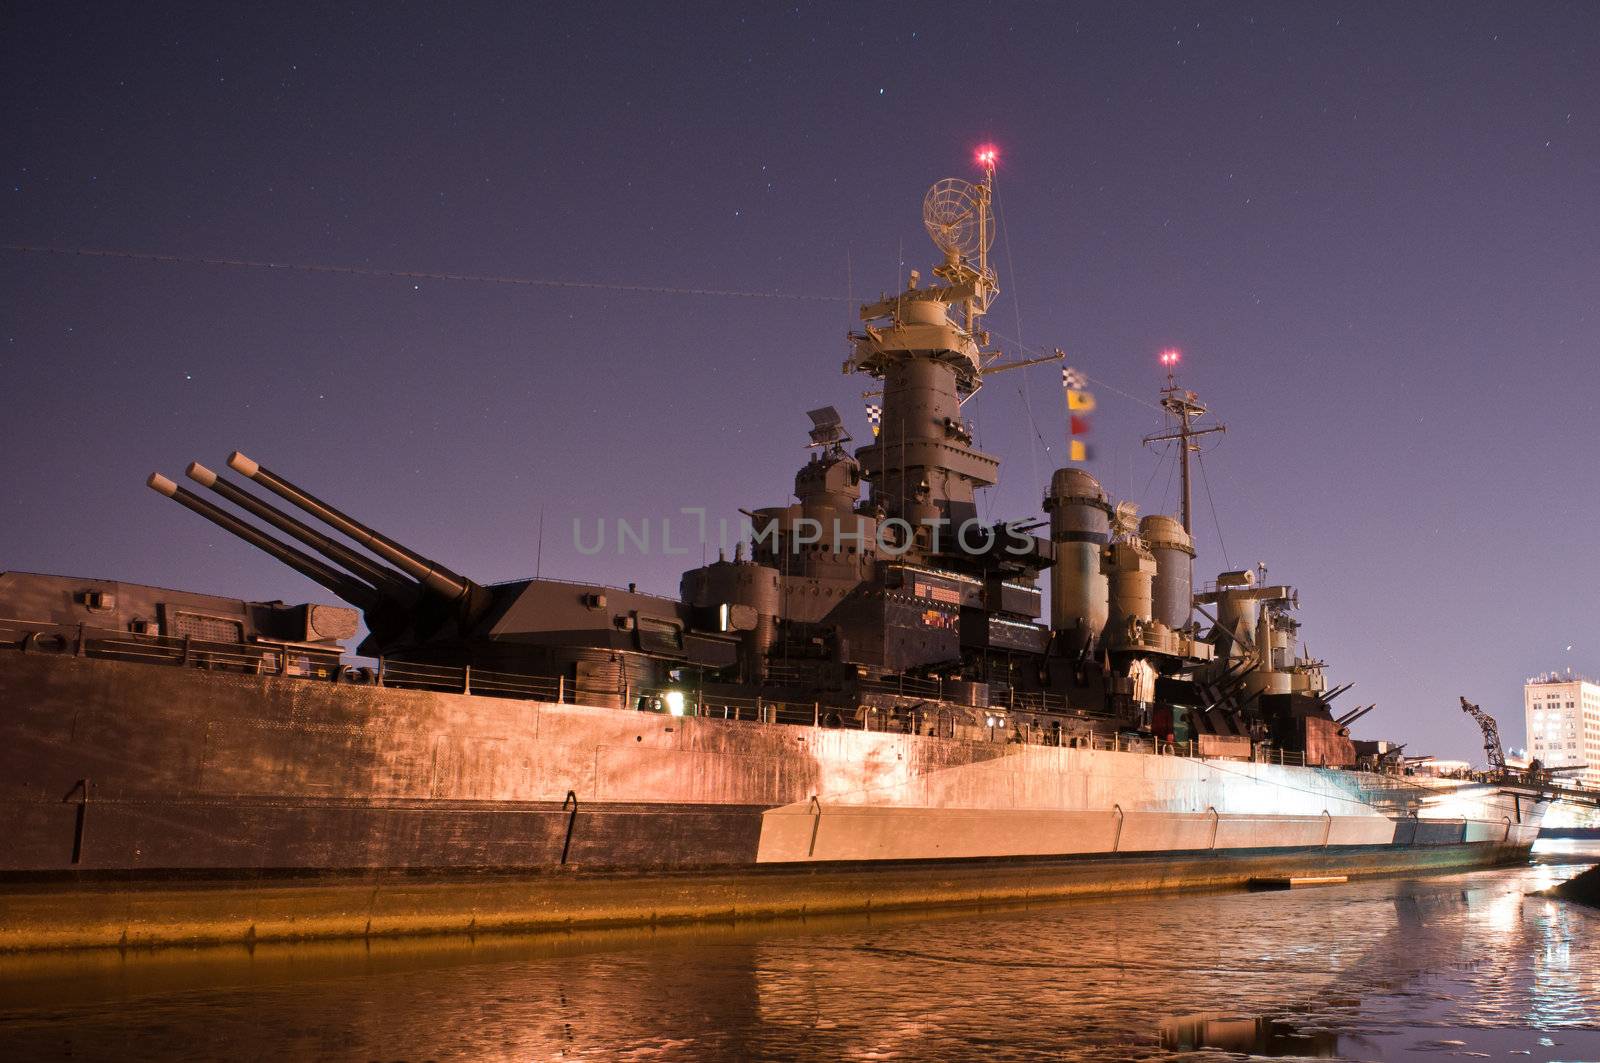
[[1079, 401], [1078, 451]]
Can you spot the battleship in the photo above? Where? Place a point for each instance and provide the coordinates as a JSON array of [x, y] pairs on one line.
[[867, 706]]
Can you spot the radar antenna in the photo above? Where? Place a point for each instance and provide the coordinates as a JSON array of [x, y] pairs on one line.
[[942, 318], [957, 216], [1125, 520], [827, 430]]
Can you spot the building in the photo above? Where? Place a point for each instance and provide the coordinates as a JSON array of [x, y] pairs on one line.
[[1562, 710]]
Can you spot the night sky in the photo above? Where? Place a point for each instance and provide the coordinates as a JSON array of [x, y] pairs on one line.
[[1373, 229]]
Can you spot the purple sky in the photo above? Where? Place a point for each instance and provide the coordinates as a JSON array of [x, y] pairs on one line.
[[1373, 229]]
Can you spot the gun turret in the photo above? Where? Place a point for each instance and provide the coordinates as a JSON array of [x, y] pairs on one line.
[[417, 601]]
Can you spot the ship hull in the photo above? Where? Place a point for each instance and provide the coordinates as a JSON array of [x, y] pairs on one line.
[[112, 911], [139, 789]]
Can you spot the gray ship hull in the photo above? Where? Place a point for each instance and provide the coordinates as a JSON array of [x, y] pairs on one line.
[[125, 780]]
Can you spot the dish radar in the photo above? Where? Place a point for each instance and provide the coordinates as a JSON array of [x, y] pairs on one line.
[[958, 218]]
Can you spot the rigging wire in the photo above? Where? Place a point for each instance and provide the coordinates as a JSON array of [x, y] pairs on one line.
[[1030, 349], [1119, 391], [486, 278], [1161, 460], [1016, 306], [1206, 482], [521, 282], [1166, 489], [404, 274]]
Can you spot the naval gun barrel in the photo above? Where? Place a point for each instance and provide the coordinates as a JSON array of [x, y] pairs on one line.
[[1329, 695], [432, 575], [347, 587], [1355, 714], [384, 579]]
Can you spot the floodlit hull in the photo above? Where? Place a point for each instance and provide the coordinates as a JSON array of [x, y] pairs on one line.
[[190, 773]]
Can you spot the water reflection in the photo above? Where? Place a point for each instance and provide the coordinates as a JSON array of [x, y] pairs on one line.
[[1372, 970], [1256, 1037]]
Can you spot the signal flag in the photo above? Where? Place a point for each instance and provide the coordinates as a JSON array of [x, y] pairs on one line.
[[1080, 402]]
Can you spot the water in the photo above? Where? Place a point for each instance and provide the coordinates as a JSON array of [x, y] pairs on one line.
[[1429, 967]]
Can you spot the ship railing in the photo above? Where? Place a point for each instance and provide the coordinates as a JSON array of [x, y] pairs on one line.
[[1000, 695], [757, 710], [512, 684], [905, 686], [472, 679], [252, 658], [421, 676], [951, 691], [1272, 755], [1033, 701], [267, 658]]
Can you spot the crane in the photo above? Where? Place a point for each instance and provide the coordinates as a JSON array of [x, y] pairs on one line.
[[1491, 737]]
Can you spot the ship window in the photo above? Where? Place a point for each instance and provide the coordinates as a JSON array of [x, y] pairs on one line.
[[99, 601]]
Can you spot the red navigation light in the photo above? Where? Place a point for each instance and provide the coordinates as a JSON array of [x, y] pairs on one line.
[[987, 156], [1169, 357]]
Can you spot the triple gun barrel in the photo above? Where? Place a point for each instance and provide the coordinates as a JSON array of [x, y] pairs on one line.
[[370, 585]]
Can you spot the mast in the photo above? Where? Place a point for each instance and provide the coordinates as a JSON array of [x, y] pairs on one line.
[[1185, 408], [927, 344]]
